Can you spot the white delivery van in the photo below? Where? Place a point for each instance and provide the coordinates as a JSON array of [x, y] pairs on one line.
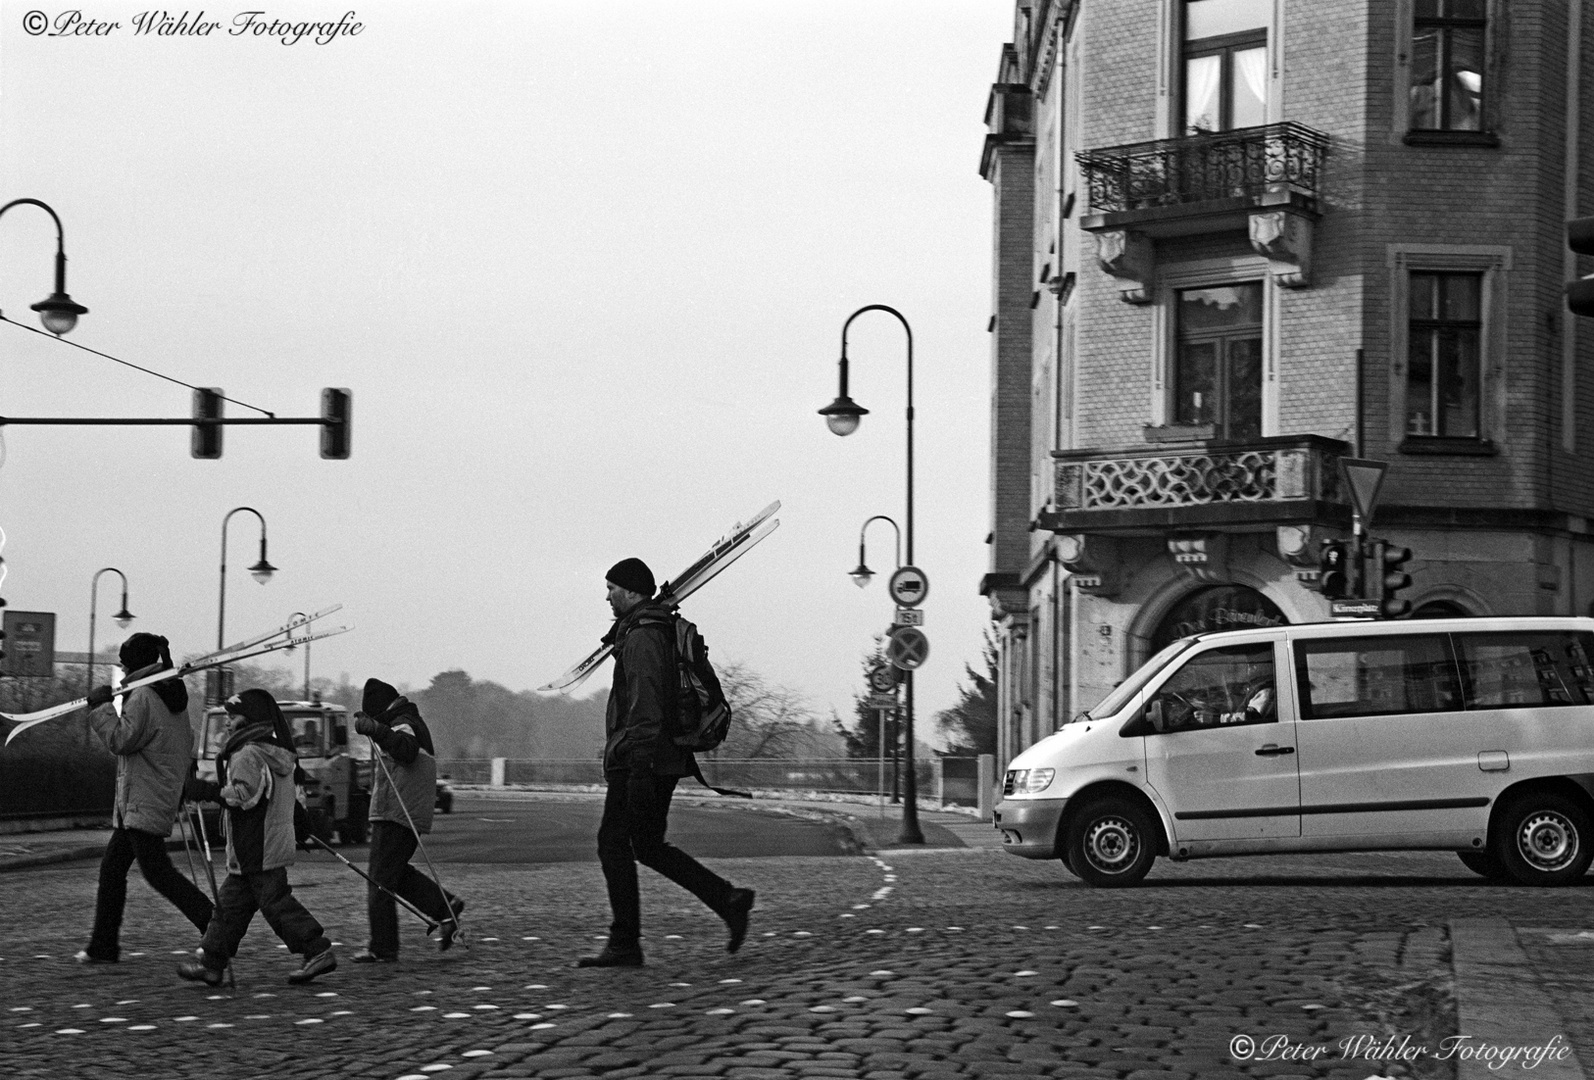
[[1467, 735]]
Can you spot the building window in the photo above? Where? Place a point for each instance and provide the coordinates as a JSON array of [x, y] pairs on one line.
[[1447, 65], [1225, 64], [1444, 355], [1217, 376]]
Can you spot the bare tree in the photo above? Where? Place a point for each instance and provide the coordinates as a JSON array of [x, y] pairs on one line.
[[769, 721]]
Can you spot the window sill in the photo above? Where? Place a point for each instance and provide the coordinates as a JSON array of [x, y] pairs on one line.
[[1452, 138], [1438, 444], [1177, 433]]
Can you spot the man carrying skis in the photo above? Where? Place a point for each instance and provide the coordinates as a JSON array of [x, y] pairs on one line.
[[254, 782], [641, 765], [154, 750], [403, 791]]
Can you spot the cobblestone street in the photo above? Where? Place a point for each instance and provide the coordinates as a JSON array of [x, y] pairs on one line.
[[935, 963]]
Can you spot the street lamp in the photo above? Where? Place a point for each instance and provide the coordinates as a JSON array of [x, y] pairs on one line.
[[122, 617], [842, 416], [290, 648], [863, 575], [261, 572], [58, 311]]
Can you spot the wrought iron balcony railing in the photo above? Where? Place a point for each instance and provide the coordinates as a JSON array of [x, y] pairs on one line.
[[1261, 165], [1284, 478]]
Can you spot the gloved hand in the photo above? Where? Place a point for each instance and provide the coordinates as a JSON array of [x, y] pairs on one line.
[[302, 830], [365, 725], [197, 790], [100, 695]]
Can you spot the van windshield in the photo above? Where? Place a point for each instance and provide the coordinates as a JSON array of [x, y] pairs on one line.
[[1131, 686]]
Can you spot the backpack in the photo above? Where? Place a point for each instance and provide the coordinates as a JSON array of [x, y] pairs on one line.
[[703, 716]]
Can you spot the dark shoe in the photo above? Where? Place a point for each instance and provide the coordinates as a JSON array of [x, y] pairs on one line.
[[451, 927], [737, 909], [319, 964], [366, 956], [83, 956], [612, 957], [194, 971]]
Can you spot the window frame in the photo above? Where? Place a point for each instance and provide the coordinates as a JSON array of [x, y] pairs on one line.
[[1305, 708], [1170, 67], [1401, 131], [1433, 330], [1223, 412], [1223, 46], [1174, 278]]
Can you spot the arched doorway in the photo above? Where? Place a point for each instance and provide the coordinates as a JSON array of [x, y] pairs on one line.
[[1217, 607]]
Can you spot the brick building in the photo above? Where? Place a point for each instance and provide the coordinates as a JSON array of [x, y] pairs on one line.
[[1236, 241]]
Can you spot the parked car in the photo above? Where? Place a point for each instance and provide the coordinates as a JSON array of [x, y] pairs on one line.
[[1467, 735], [445, 796]]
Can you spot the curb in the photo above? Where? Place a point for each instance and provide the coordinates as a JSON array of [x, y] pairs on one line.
[[44, 858]]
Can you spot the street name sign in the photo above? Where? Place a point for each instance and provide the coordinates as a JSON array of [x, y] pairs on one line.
[[909, 616], [1353, 609]]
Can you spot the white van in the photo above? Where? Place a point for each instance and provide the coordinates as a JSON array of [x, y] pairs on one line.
[[1467, 735]]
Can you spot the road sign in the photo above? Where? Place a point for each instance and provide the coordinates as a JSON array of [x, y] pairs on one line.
[[29, 642], [1354, 609], [909, 616], [907, 648], [882, 678], [882, 701], [909, 586]]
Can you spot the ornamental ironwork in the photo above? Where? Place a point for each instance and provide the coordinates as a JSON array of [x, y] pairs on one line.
[[1196, 478], [1247, 163]]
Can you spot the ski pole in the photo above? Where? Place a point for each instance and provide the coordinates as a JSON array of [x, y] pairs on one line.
[[431, 924], [210, 872], [436, 880], [188, 849]]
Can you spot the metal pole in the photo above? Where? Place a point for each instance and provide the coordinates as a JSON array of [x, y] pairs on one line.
[[221, 596]]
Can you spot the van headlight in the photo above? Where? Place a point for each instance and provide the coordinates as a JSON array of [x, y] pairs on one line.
[[1028, 781]]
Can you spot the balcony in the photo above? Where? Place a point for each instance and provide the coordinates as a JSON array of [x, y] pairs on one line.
[[1217, 487]]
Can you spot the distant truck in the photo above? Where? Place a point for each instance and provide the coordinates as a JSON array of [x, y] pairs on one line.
[[336, 761]]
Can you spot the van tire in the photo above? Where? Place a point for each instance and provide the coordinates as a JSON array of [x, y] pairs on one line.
[[1111, 843], [1543, 838], [1483, 864]]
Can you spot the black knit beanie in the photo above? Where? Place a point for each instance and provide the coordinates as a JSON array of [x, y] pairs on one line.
[[377, 697], [141, 650], [632, 574]]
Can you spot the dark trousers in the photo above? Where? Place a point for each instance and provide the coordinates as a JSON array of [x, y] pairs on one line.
[[125, 847], [635, 814], [268, 892], [392, 846]]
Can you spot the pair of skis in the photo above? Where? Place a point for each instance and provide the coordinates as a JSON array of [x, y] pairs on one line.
[[282, 637], [741, 539]]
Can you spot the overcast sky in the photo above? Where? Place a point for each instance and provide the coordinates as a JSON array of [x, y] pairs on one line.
[[585, 268]]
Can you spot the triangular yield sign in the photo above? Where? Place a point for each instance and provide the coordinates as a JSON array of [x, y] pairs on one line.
[[1363, 479]]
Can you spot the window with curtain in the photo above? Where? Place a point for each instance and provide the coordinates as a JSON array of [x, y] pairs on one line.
[[1225, 64], [1217, 378], [1444, 360], [1447, 60]]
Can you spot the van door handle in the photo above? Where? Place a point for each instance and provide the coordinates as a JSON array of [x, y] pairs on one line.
[[1273, 750]]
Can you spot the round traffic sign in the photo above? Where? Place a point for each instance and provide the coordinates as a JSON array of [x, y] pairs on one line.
[[907, 648], [909, 586], [882, 679]]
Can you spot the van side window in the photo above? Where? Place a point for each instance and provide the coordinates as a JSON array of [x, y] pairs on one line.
[[1376, 676], [1232, 685], [1514, 670]]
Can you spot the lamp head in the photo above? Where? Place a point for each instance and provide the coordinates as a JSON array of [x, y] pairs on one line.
[[843, 415], [123, 617], [58, 312], [262, 571], [862, 575]]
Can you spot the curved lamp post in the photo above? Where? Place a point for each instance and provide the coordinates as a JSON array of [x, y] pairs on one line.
[[863, 575], [842, 416], [58, 311], [261, 572], [290, 648], [122, 617]]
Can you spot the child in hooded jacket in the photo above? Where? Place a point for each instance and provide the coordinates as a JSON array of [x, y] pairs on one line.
[[255, 783]]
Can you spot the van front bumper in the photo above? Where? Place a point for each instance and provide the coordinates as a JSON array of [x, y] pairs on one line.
[[1029, 826]]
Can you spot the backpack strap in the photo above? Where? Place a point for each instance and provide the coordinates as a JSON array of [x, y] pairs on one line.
[[698, 773]]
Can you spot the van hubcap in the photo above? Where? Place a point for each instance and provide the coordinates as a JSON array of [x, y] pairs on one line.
[[1547, 841], [1111, 845]]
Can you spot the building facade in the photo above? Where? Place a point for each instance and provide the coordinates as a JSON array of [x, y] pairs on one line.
[[1238, 241]]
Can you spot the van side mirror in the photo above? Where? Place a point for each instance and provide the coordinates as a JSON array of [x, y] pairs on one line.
[[1148, 721]]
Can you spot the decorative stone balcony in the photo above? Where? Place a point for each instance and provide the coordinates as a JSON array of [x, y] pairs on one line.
[[1227, 486], [1262, 180]]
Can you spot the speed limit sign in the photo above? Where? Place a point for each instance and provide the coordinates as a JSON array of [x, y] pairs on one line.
[[882, 679], [907, 648]]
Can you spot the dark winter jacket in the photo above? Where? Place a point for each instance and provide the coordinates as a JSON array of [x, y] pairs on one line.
[[154, 749], [255, 783], [641, 717], [405, 743]]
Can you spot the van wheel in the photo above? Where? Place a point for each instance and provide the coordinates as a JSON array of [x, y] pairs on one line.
[[1543, 839], [1484, 864], [1110, 843]]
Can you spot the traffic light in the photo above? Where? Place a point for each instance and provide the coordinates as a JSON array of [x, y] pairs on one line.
[[1388, 561], [1580, 293], [206, 441], [1334, 559], [337, 418]]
